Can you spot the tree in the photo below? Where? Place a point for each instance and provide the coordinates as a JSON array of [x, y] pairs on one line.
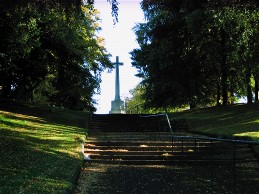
[[190, 51], [43, 41], [166, 49], [136, 102]]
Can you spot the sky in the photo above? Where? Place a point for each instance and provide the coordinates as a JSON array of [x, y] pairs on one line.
[[119, 41]]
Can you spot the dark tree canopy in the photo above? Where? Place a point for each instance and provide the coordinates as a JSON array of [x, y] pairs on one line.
[[49, 52], [197, 52]]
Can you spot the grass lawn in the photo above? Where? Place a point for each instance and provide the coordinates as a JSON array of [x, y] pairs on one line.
[[236, 120], [40, 150]]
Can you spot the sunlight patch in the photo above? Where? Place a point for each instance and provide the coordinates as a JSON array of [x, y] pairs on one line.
[[166, 154], [253, 135]]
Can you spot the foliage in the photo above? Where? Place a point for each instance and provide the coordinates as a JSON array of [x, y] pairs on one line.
[[136, 104], [40, 150], [51, 39], [114, 8], [197, 52]]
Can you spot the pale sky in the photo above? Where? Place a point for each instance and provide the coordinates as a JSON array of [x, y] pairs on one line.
[[119, 41]]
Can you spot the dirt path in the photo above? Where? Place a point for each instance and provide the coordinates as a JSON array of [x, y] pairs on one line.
[[110, 179]]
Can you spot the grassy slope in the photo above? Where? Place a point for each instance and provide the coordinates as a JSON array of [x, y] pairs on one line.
[[39, 149], [238, 120]]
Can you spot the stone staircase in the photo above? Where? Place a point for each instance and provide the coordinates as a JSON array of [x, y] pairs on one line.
[[157, 148], [131, 140], [124, 122], [145, 139], [134, 123]]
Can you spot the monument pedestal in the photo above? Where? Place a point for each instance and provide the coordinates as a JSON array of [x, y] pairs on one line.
[[117, 107]]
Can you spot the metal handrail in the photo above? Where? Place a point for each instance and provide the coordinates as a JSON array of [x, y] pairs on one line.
[[201, 138], [195, 138], [160, 114], [218, 139], [234, 142]]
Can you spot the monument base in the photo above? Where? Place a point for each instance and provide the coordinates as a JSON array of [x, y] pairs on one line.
[[117, 107]]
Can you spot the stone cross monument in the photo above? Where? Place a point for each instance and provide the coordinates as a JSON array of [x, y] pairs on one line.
[[117, 105]]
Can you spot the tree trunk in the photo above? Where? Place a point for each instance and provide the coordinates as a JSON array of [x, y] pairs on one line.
[[248, 86], [224, 90], [218, 95], [231, 94], [223, 66], [192, 105], [256, 88], [6, 90]]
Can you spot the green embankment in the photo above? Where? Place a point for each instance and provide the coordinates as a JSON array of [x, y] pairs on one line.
[[39, 148], [236, 120]]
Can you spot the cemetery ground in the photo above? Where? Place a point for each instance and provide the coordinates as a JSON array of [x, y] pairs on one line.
[[40, 153]]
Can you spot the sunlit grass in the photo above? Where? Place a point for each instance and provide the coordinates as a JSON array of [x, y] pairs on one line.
[[237, 120], [40, 150], [253, 135]]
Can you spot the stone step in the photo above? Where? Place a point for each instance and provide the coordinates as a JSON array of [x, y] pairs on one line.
[[165, 156], [133, 122], [167, 148], [132, 148], [164, 152], [143, 137], [156, 149], [166, 162], [124, 152], [166, 144], [157, 154], [136, 143]]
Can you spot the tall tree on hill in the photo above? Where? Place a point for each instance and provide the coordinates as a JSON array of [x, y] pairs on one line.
[[168, 47], [42, 41], [189, 51]]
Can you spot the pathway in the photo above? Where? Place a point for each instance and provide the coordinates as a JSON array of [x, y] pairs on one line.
[[160, 179], [110, 179]]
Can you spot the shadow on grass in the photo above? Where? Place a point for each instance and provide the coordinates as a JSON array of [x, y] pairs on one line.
[[36, 166], [46, 114], [31, 128], [35, 171], [39, 149]]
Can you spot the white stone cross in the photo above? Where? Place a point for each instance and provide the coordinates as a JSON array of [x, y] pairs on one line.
[[117, 78], [117, 105]]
